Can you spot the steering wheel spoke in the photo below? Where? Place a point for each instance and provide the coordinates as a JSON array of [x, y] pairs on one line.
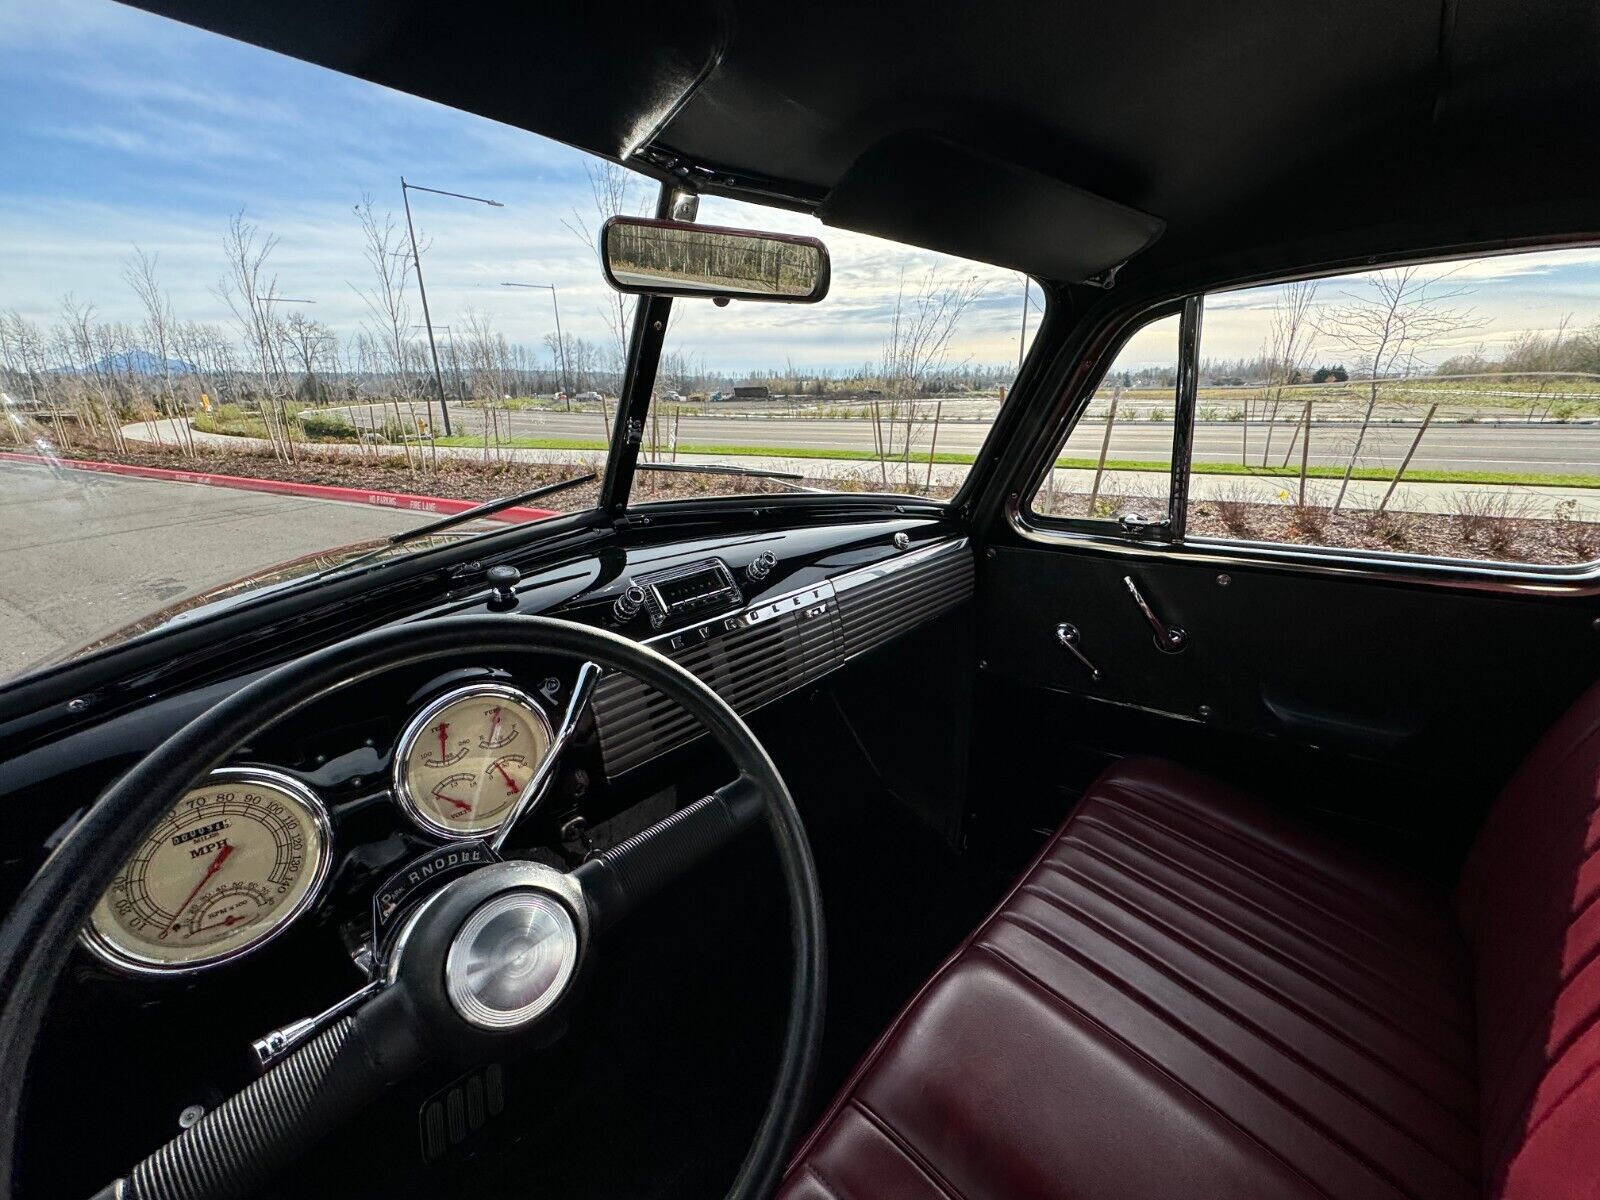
[[618, 880], [258, 1131]]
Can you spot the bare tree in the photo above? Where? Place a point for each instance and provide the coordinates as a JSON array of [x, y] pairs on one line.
[[1291, 335], [1405, 313], [917, 348], [250, 290], [311, 346], [389, 330], [159, 330], [613, 191]]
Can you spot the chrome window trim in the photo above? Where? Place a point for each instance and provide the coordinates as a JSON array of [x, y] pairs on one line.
[[1462, 574]]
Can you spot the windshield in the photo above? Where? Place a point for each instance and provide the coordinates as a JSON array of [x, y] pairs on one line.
[[889, 384], [257, 319]]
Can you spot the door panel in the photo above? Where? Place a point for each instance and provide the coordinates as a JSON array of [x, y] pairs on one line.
[[1432, 689]]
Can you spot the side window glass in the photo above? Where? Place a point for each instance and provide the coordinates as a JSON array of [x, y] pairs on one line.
[[1117, 462], [1444, 410]]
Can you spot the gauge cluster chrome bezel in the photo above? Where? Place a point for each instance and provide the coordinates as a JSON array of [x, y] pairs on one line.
[[401, 786], [121, 959]]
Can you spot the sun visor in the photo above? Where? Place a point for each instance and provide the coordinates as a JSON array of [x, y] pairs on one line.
[[924, 190]]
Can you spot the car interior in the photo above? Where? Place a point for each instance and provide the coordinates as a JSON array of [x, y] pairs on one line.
[[1056, 862]]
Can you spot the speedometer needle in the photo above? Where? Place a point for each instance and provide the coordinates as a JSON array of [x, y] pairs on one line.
[[222, 857]]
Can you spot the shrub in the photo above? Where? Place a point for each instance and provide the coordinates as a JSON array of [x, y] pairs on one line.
[[1577, 537], [1235, 508], [1310, 522], [327, 427]]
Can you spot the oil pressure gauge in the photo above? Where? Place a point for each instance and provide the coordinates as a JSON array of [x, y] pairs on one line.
[[465, 758], [234, 862]]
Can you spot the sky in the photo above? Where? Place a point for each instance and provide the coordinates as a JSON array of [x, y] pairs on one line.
[[123, 129]]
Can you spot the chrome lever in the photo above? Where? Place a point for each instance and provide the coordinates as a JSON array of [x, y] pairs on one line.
[[1067, 634], [1170, 639]]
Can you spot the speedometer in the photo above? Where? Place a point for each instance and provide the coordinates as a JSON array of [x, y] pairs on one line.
[[233, 863], [465, 758]]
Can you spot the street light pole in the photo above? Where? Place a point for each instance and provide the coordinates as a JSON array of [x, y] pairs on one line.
[[416, 258], [561, 342]]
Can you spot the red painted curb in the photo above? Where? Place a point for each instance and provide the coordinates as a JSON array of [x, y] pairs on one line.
[[441, 505]]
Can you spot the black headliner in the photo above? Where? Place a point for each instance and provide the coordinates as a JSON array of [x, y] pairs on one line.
[[1269, 134]]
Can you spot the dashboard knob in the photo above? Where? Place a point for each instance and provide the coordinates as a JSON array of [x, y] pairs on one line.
[[504, 581], [627, 605], [761, 566]]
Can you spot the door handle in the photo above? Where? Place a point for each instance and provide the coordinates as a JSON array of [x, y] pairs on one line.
[[1170, 639], [1067, 634]]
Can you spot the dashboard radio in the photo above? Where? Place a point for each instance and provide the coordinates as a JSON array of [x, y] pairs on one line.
[[688, 590]]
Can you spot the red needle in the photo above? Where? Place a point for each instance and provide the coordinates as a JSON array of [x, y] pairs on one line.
[[461, 804], [494, 725], [222, 857], [444, 732], [511, 785], [222, 924]]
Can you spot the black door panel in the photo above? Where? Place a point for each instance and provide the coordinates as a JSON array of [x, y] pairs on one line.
[[1449, 685]]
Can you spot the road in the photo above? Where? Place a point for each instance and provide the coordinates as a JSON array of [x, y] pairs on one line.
[[1566, 449], [85, 553]]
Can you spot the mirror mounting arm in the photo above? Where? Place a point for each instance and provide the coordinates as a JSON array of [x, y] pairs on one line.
[[650, 319]]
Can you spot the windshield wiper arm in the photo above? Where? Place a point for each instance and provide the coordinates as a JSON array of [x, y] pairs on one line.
[[788, 477], [485, 509]]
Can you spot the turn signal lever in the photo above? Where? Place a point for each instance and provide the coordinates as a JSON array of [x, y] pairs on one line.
[[1170, 639]]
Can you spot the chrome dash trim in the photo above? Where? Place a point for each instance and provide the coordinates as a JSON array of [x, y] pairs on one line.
[[769, 650]]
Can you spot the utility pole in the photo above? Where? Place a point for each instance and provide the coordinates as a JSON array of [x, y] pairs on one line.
[[416, 259], [561, 342]]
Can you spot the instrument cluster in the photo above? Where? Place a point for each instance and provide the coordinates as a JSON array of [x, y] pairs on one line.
[[249, 850]]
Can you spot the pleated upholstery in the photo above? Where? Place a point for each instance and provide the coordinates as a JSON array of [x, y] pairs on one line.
[[1530, 902], [1185, 995]]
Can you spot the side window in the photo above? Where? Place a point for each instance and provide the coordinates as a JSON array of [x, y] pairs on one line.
[[1446, 410], [1117, 462]]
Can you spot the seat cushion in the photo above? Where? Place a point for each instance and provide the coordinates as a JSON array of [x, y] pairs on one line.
[[1185, 994]]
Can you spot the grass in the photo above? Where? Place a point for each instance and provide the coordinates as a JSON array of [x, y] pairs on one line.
[[1415, 475]]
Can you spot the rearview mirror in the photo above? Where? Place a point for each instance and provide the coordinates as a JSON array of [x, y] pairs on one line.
[[680, 258]]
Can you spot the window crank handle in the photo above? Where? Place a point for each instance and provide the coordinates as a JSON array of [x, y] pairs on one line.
[[1069, 637], [1170, 639]]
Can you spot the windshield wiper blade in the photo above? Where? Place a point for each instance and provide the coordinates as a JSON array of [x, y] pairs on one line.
[[487, 508], [788, 477]]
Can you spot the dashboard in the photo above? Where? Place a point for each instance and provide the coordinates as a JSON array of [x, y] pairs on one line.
[[302, 827], [257, 901]]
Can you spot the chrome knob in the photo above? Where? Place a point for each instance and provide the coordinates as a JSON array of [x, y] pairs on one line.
[[627, 605], [761, 566]]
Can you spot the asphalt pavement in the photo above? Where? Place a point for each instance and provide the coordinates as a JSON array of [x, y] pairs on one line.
[[83, 553], [1558, 448]]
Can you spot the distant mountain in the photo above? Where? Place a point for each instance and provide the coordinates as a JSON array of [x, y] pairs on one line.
[[134, 362]]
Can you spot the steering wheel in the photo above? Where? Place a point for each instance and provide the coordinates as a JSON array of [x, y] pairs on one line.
[[475, 968]]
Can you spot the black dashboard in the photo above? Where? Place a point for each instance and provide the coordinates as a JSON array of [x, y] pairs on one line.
[[758, 616]]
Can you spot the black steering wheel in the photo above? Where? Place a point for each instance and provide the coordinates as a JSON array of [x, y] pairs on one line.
[[451, 982]]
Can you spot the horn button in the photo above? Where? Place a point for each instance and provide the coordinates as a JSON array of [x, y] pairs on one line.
[[491, 953], [511, 960]]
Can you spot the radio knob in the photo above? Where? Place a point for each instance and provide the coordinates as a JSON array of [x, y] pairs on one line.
[[627, 605], [761, 566]]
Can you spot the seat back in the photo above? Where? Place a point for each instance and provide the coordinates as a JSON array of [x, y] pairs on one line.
[[1529, 900]]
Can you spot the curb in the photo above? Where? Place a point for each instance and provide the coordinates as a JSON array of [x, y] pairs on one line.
[[439, 505]]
